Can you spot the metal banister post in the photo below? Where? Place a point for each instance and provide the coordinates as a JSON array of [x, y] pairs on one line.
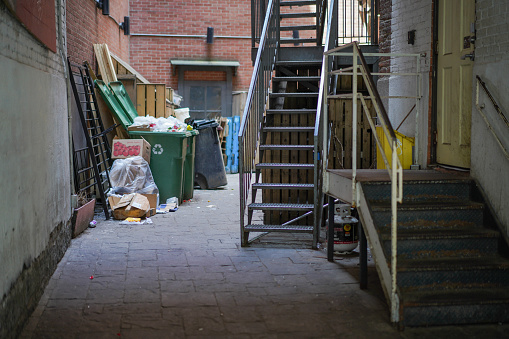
[[354, 128]]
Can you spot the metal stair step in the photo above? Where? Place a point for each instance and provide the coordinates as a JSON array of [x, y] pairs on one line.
[[295, 95], [284, 186], [464, 243], [280, 207], [298, 28], [288, 147], [450, 273], [297, 40], [284, 166], [279, 228], [455, 306], [288, 129], [297, 78], [291, 111], [299, 63], [297, 15], [430, 215], [297, 3], [414, 191]]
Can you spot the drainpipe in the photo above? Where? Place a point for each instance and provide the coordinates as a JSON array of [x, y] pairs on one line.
[[62, 34]]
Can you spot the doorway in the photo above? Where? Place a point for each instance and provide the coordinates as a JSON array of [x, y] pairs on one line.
[[455, 58]]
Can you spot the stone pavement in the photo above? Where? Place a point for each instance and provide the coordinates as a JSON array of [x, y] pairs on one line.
[[186, 276]]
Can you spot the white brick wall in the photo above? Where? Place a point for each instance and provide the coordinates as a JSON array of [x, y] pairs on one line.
[[492, 27], [34, 139]]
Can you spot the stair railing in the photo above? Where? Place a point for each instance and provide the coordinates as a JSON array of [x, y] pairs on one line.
[[330, 33], [394, 168], [256, 103], [499, 126], [321, 12]]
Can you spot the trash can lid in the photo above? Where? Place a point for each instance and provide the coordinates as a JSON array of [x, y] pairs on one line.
[[201, 124]]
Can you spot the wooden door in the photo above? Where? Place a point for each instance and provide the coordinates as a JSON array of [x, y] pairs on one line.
[[454, 81]]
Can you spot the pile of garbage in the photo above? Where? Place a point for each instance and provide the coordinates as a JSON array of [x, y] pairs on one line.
[[170, 124]]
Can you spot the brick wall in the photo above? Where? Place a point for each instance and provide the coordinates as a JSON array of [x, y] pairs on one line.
[[384, 39], [150, 55], [489, 166], [86, 25], [492, 44]]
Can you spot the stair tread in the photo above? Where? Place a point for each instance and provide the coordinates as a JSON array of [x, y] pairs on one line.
[[419, 234], [299, 94], [290, 111], [285, 165], [279, 228], [298, 62], [428, 205], [297, 78], [298, 15], [297, 3], [453, 263], [310, 147], [296, 40], [289, 128], [456, 296], [281, 206], [298, 28], [282, 185]]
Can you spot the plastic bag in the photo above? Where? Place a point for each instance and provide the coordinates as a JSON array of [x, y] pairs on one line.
[[132, 175]]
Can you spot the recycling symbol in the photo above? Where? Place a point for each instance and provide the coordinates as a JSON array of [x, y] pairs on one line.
[[157, 149]]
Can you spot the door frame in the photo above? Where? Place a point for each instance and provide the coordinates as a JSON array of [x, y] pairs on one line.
[[433, 128]]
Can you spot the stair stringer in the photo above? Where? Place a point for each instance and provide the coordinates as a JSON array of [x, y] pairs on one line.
[[377, 252]]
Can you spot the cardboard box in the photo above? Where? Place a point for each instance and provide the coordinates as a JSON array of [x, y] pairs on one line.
[[133, 205], [125, 148]]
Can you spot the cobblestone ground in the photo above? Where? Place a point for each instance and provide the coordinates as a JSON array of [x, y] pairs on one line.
[[186, 276]]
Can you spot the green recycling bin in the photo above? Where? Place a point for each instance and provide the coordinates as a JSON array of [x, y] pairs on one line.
[[188, 185], [167, 160]]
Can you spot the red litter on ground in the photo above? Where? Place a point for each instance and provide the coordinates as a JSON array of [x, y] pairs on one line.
[[91, 277]]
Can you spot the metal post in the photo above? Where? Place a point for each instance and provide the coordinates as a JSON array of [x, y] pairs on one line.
[[330, 230], [394, 232], [363, 255], [354, 127], [417, 99]]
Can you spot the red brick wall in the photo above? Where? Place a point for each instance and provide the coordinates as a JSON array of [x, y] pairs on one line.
[[151, 55], [86, 25]]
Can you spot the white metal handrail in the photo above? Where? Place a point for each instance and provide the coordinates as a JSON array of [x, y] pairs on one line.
[[395, 170], [480, 108]]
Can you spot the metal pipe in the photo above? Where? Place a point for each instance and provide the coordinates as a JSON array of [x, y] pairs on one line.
[[189, 36]]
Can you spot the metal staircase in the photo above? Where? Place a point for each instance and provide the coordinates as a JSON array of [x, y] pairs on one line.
[[277, 135]]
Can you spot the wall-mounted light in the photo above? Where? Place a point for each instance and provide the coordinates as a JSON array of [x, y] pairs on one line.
[[104, 5], [210, 35], [125, 26], [411, 37]]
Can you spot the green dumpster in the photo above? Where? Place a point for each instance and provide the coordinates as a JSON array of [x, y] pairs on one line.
[[188, 185], [168, 159], [172, 155]]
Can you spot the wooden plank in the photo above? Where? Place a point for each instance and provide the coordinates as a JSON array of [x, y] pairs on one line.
[[129, 69], [150, 108], [108, 62], [141, 97], [160, 97]]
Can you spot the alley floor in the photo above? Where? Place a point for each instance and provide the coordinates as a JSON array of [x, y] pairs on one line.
[[186, 276]]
